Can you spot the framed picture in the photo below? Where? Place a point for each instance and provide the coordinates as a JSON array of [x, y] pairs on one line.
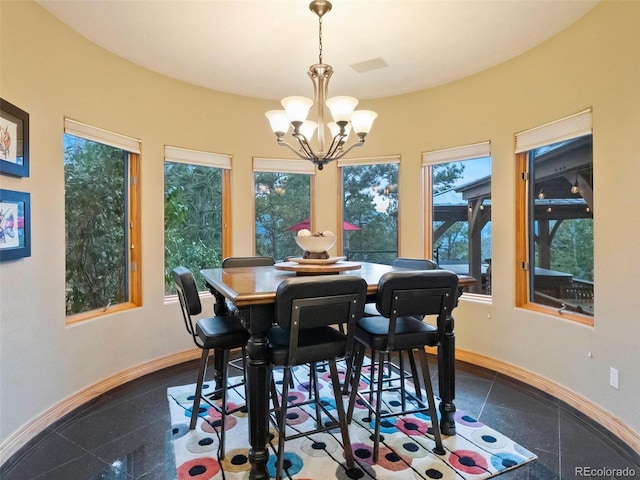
[[14, 140], [15, 225]]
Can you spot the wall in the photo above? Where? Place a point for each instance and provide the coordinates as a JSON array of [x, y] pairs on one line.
[[51, 72]]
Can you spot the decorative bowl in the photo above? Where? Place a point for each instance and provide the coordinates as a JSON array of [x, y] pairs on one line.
[[317, 244]]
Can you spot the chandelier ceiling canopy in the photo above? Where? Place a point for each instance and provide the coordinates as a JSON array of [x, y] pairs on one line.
[[342, 108]]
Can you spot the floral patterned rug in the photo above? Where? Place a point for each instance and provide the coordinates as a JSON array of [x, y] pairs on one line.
[[476, 452]]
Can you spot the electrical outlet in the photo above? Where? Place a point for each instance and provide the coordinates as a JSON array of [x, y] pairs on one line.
[[613, 377]]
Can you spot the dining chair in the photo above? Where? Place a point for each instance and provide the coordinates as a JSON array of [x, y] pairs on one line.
[[370, 310], [306, 311], [255, 261], [405, 300], [221, 333]]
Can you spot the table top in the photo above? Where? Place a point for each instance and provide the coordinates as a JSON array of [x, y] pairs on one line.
[[317, 268], [257, 285]]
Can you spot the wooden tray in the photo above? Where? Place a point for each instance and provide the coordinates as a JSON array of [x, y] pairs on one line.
[[314, 269]]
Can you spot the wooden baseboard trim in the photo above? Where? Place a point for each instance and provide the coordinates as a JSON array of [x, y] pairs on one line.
[[580, 403], [15, 441]]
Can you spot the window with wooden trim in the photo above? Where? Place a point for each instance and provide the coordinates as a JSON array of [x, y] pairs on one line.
[[458, 206], [555, 219], [102, 221], [196, 212], [282, 192], [369, 211]]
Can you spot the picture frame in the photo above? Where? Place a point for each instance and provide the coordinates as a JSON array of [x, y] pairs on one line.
[[14, 140], [15, 225]]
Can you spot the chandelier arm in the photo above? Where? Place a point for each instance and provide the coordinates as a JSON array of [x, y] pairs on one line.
[[344, 152], [336, 144], [305, 147], [282, 143]]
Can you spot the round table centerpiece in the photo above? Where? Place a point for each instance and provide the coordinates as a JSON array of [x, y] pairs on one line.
[[315, 245]]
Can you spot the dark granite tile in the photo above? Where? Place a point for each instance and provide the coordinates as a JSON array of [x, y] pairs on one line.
[[42, 454], [532, 431], [518, 396]]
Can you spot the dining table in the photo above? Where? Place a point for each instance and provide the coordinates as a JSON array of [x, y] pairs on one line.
[[250, 293]]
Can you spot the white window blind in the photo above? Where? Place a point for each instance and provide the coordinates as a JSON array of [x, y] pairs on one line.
[[283, 166], [196, 157], [354, 162], [456, 154], [574, 126], [88, 132]]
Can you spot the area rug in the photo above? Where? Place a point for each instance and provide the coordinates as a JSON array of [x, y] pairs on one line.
[[476, 452]]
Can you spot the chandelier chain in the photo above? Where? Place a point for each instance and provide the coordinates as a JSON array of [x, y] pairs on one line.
[[320, 39]]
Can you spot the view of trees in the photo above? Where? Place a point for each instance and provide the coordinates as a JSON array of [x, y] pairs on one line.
[[192, 219], [95, 219], [370, 202], [282, 200]]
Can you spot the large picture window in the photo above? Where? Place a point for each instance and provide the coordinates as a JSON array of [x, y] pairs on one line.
[[195, 196], [282, 205], [370, 209], [459, 209], [556, 222], [101, 221]]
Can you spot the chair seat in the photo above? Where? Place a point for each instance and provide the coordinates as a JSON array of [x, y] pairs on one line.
[[222, 332], [410, 333], [314, 345]]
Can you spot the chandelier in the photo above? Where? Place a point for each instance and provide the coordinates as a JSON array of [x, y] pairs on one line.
[[342, 108]]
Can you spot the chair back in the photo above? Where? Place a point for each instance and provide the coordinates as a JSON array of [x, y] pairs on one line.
[[418, 292], [415, 263], [259, 261], [189, 299], [312, 302]]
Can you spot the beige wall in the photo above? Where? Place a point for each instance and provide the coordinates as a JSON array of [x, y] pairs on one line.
[[51, 72]]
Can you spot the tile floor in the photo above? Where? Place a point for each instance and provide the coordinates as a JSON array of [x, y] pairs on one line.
[[125, 434]]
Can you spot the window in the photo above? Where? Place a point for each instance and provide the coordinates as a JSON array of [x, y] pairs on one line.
[[196, 186], [555, 218], [101, 221], [459, 202], [370, 209], [282, 204]]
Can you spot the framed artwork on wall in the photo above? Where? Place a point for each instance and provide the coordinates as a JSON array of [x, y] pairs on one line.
[[15, 225], [14, 140]]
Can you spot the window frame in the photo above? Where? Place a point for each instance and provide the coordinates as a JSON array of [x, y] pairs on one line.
[[133, 219], [440, 157], [210, 160], [567, 128]]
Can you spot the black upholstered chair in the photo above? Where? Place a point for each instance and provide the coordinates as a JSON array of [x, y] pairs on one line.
[[370, 310], [306, 311], [221, 333], [257, 261], [403, 298]]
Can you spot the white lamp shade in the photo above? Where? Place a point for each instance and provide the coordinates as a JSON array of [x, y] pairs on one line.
[[307, 128], [297, 108], [341, 107], [362, 121], [279, 121], [334, 128]]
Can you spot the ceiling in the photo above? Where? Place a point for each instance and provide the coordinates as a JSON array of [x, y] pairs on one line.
[[263, 48]]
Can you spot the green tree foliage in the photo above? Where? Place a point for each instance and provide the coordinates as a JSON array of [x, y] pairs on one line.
[[193, 219], [371, 202], [282, 200], [572, 248], [95, 219]]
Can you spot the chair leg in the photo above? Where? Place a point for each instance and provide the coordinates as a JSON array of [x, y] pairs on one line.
[[204, 358], [342, 419], [223, 413], [414, 374], [403, 395], [282, 422], [355, 380], [428, 387], [315, 393], [378, 408]]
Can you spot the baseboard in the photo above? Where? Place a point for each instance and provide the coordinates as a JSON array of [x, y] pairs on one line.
[[612, 423], [14, 442], [616, 426]]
